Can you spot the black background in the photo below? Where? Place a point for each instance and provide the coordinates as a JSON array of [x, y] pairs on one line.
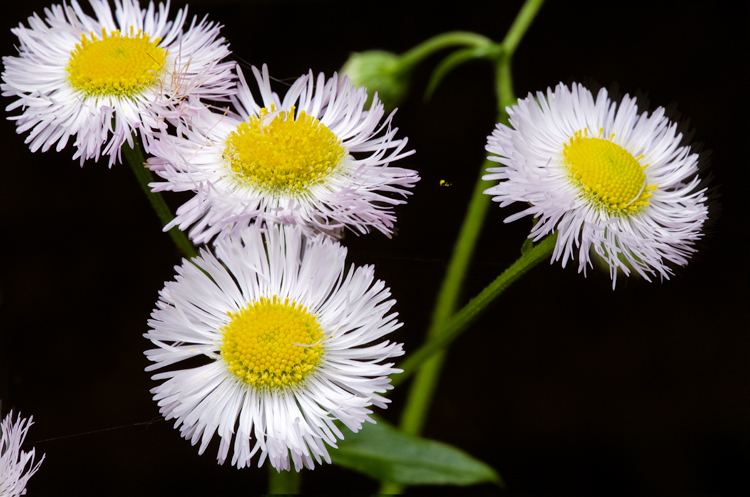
[[565, 386]]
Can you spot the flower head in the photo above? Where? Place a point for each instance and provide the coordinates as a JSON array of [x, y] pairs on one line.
[[13, 461], [315, 159], [98, 79], [288, 336], [604, 178]]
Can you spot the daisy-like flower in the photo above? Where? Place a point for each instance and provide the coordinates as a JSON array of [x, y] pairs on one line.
[[605, 178], [99, 79], [14, 473], [288, 337], [286, 161]]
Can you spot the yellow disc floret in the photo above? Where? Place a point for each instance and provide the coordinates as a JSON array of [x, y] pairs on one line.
[[607, 173], [272, 344], [282, 156], [115, 65]]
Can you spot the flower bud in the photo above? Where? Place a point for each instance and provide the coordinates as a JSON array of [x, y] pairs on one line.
[[378, 71]]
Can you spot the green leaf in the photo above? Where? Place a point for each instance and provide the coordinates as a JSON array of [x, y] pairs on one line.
[[387, 454]]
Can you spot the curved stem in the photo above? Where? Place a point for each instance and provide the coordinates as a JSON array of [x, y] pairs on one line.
[[134, 157], [453, 38]]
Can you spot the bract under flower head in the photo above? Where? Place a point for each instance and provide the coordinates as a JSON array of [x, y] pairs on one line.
[[291, 341], [16, 466], [99, 79], [606, 179], [316, 159]]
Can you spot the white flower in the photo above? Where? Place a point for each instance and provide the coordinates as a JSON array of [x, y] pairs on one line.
[[99, 79], [286, 161], [604, 178], [288, 339], [13, 460]]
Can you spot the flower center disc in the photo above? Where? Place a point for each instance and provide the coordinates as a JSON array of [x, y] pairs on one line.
[[283, 156], [607, 173], [272, 344], [121, 66]]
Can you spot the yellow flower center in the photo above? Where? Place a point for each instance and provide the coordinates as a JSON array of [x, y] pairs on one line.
[[282, 156], [272, 344], [607, 173], [115, 65]]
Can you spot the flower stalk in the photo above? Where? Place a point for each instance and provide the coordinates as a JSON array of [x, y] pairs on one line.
[[464, 318], [136, 161]]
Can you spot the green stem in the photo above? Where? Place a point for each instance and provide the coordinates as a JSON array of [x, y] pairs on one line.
[[425, 381], [408, 59], [474, 309], [413, 416], [283, 482], [520, 25], [134, 157]]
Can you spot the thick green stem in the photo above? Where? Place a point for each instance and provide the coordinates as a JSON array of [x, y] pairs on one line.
[[283, 482], [409, 59], [134, 157], [423, 387], [474, 309], [425, 381], [413, 416]]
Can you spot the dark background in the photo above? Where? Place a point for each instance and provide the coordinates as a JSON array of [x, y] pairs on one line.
[[565, 386]]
